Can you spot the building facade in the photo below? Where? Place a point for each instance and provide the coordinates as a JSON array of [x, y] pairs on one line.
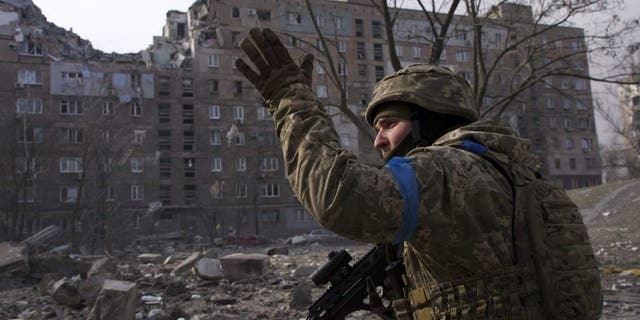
[[173, 137]]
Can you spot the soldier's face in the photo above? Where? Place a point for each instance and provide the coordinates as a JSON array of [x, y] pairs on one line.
[[390, 133]]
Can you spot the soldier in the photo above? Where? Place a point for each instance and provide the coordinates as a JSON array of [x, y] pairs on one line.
[[446, 193]]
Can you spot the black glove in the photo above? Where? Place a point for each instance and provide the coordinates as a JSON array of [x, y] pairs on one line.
[[276, 69]]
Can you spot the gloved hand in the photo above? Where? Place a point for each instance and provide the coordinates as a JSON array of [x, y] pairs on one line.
[[276, 69]]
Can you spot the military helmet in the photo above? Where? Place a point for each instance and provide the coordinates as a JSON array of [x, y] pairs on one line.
[[432, 87]]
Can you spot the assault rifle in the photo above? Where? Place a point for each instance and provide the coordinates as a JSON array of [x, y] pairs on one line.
[[354, 287]]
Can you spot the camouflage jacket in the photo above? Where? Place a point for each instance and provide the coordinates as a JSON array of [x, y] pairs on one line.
[[465, 207]]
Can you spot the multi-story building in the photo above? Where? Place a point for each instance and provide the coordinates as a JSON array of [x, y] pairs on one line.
[[174, 137]]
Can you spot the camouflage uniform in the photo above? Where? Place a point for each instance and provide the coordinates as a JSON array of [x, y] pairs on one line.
[[464, 226]]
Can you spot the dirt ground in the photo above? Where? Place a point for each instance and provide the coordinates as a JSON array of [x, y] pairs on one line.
[[610, 211]]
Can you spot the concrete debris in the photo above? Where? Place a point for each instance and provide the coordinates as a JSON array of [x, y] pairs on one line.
[[12, 259], [58, 265], [117, 300], [239, 266], [301, 296], [66, 292], [150, 258], [157, 314], [41, 237], [148, 299], [187, 263], [277, 250], [101, 266], [209, 269]]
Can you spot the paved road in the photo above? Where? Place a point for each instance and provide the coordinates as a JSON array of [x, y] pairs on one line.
[[626, 194]]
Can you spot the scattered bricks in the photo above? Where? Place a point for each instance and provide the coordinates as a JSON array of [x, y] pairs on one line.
[[12, 259], [117, 300], [240, 266], [66, 292], [277, 250], [150, 258], [187, 263], [209, 269]]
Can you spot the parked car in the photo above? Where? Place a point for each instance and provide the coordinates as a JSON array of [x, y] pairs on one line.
[[316, 235]]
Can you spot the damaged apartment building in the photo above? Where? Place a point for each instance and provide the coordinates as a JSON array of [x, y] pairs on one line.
[[173, 137]]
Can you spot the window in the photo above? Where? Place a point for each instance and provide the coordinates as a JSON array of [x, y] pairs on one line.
[[164, 86], [585, 124], [361, 52], [33, 135], [578, 66], [187, 114], [321, 91], [241, 191], [294, 18], [30, 76], [359, 28], [553, 123], [398, 51], [339, 22], [466, 75], [379, 73], [568, 124], [497, 38], [71, 107], [568, 143], [269, 190], [557, 163], [416, 51], [164, 114], [137, 165], [319, 20], [549, 102], [138, 136], [238, 113], [136, 109], [270, 216], [586, 144], [189, 167], [377, 52], [33, 165], [572, 163], [238, 140], [264, 15], [107, 108], [135, 81], [164, 140], [68, 194], [165, 194], [462, 56], [165, 167], [376, 29], [187, 87], [575, 46], [342, 46], [237, 88], [216, 164], [216, 190], [137, 192], [212, 87], [566, 103], [319, 67], [190, 193], [70, 165], [460, 34], [302, 216], [555, 142], [269, 164], [580, 84], [188, 141], [214, 112], [319, 44], [443, 55], [214, 61], [111, 193], [241, 164], [564, 83], [235, 12], [215, 138], [590, 163], [71, 77], [362, 69], [263, 113], [548, 82], [341, 69], [71, 135], [292, 41], [31, 106], [30, 48]]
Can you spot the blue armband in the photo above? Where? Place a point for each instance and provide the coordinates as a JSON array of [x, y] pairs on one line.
[[408, 185]]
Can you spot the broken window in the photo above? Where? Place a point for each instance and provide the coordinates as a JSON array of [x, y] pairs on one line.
[[212, 87], [264, 15], [71, 77], [165, 167], [190, 193], [187, 87], [237, 88], [32, 135], [68, 107], [187, 114], [165, 194], [164, 114], [164, 86], [189, 167], [71, 135], [135, 81], [359, 28], [164, 140], [238, 140], [181, 30], [189, 141], [30, 48], [235, 12]]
